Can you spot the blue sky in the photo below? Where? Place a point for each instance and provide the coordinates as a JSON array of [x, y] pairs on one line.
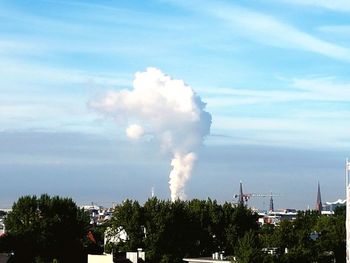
[[274, 75]]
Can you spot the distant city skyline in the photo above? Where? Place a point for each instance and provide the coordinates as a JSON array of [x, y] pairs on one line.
[[274, 75]]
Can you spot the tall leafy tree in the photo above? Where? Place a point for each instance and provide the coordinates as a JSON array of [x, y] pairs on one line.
[[157, 216], [247, 249], [45, 229], [129, 217], [239, 222]]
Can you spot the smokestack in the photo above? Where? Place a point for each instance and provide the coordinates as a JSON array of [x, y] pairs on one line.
[[169, 112]]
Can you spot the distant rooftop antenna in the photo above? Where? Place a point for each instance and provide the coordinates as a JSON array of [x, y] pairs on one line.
[[152, 192]]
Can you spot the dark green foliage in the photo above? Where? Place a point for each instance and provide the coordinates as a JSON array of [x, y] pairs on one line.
[[295, 237], [196, 228], [170, 231], [129, 216], [45, 228], [241, 221], [51, 228], [96, 246], [248, 250]]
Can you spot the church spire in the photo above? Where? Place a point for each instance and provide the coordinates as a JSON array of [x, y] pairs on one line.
[[271, 208], [318, 200]]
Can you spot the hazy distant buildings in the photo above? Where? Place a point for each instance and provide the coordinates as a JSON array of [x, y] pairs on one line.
[[98, 214], [327, 208], [276, 217], [331, 206]]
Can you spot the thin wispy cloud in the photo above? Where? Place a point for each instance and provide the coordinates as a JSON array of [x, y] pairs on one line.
[[127, 34], [297, 132], [326, 89], [340, 30], [335, 5], [268, 30], [92, 28], [55, 56], [11, 68], [295, 90], [305, 111]]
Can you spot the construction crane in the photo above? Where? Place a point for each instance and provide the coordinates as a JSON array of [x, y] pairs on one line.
[[244, 197]]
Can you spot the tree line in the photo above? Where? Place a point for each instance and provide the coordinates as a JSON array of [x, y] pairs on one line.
[[53, 229], [46, 229], [170, 231], [311, 237]]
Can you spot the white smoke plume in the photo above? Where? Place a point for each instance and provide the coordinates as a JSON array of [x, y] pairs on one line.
[[170, 111], [135, 131], [182, 167]]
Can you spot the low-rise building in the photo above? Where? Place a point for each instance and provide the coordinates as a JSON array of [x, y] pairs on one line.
[[128, 257], [329, 207], [275, 217], [98, 214], [207, 260], [105, 258]]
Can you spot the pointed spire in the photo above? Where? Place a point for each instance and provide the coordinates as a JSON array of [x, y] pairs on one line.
[[240, 197], [318, 200], [271, 203]]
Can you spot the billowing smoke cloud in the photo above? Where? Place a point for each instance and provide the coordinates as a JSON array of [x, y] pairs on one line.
[[167, 109], [135, 131]]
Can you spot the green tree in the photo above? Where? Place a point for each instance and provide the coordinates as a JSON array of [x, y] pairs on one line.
[[129, 217], [332, 236], [328, 243], [202, 229], [157, 214], [247, 249], [46, 228], [240, 220], [170, 231]]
